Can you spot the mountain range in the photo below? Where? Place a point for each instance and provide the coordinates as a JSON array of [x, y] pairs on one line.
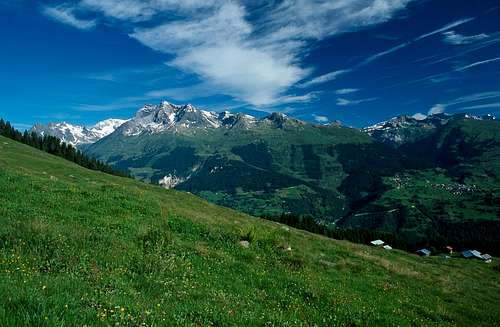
[[431, 179], [78, 135]]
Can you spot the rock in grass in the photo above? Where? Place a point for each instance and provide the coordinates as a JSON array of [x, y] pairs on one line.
[[245, 244]]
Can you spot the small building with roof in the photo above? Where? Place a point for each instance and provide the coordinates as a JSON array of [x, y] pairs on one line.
[[424, 252], [472, 254], [487, 257], [377, 242]]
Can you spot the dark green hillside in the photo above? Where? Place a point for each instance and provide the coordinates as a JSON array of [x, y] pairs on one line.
[[279, 165], [79, 247], [437, 185], [448, 191]]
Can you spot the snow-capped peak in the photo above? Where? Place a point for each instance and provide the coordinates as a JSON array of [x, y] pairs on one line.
[[176, 118], [402, 129], [78, 134], [106, 127]]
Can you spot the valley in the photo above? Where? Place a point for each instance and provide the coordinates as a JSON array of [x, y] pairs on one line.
[[83, 246], [427, 181]]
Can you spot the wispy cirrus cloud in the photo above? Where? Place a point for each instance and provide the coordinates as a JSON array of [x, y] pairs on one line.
[[255, 61], [468, 99], [451, 37], [317, 19], [382, 54], [325, 78], [305, 98], [346, 91], [346, 102], [66, 15], [445, 28], [217, 48], [418, 38], [493, 105], [491, 40], [142, 10], [475, 97], [368, 60], [477, 63]]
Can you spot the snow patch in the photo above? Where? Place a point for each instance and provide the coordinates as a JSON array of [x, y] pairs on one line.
[[170, 181]]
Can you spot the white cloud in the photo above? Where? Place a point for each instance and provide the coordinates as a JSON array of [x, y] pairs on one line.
[[297, 20], [65, 15], [245, 73], [405, 44], [124, 9], [383, 53], [491, 39], [476, 97], [216, 49], [347, 102], [345, 91], [451, 37], [224, 49], [142, 10], [227, 24], [317, 19], [309, 97], [445, 28], [325, 78], [419, 116], [256, 61], [483, 106], [471, 98], [437, 109], [320, 119], [478, 63]]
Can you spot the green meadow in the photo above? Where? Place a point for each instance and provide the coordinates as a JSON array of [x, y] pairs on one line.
[[79, 247]]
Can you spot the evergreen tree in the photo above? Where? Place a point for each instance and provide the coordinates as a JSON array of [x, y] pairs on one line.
[[54, 146]]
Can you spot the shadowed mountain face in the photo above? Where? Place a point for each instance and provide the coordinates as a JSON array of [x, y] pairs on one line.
[[442, 186], [424, 179], [263, 166]]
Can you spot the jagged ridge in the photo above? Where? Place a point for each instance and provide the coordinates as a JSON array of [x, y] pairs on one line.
[[77, 135]]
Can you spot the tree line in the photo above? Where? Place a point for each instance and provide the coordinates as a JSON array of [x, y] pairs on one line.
[[54, 146], [435, 243]]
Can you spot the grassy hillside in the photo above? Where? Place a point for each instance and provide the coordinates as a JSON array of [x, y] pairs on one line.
[[80, 247]]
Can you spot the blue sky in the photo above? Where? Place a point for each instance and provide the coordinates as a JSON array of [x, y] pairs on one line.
[[357, 61]]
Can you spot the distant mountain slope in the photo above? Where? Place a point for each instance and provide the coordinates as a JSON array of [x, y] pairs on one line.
[[406, 129], [79, 247], [448, 191], [355, 178], [261, 166], [78, 135]]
